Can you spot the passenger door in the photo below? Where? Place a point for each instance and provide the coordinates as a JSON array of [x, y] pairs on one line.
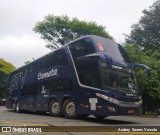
[[42, 98]]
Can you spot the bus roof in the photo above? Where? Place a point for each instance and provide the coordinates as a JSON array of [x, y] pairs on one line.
[[63, 46]]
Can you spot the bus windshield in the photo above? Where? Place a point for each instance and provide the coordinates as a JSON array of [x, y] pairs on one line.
[[112, 48], [118, 80]]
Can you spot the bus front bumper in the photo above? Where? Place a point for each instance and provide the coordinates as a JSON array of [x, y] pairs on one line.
[[111, 109], [115, 109]]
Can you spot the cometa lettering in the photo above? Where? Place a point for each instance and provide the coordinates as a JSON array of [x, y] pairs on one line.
[[50, 73]]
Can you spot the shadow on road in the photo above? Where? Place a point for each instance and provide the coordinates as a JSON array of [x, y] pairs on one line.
[[32, 113], [108, 121]]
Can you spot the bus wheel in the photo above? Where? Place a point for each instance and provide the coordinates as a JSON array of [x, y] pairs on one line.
[[17, 107], [100, 117], [69, 109], [54, 108]]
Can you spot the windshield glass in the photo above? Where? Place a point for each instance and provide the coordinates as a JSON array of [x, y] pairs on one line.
[[112, 48], [118, 80]]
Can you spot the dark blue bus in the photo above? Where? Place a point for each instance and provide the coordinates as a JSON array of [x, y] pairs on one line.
[[88, 76]]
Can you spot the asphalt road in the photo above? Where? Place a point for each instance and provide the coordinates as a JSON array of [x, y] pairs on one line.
[[113, 123]]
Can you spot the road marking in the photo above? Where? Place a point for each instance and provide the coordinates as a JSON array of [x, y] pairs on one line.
[[22, 123]]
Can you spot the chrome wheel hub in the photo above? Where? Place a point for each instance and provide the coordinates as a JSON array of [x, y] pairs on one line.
[[70, 108], [55, 108]]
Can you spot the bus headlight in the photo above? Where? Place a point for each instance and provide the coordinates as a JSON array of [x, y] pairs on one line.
[[113, 100]]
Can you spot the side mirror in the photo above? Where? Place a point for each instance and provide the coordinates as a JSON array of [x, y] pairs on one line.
[[148, 70]]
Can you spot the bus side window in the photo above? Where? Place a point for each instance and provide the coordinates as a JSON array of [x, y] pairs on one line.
[[81, 48], [30, 89], [56, 58], [59, 85], [67, 85], [60, 57], [92, 78]]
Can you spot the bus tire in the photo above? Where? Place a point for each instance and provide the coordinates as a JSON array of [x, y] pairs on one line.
[[69, 109], [54, 108], [18, 107]]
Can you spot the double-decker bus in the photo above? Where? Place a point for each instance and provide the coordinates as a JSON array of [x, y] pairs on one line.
[[88, 76]]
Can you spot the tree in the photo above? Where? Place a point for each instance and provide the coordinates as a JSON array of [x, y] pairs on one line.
[[5, 69], [146, 33], [59, 30], [149, 87], [143, 45]]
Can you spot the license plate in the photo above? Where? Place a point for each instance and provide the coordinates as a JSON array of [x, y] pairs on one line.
[[130, 111]]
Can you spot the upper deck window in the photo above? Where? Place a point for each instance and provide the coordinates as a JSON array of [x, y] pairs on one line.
[[56, 58], [81, 48]]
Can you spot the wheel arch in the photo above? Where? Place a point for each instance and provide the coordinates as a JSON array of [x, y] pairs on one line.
[[65, 98], [52, 98]]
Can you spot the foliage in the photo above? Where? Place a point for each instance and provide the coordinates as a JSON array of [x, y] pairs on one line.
[[146, 33], [143, 45], [59, 30], [150, 87], [5, 69]]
